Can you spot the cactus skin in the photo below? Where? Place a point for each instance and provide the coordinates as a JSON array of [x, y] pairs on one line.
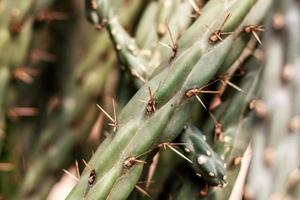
[[235, 132], [139, 130], [264, 111], [276, 146], [238, 131], [205, 161], [131, 55], [146, 135], [235, 51]]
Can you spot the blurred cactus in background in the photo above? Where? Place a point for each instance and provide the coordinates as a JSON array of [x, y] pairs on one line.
[[160, 99]]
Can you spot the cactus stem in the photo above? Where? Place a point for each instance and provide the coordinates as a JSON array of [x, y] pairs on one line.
[[249, 50]]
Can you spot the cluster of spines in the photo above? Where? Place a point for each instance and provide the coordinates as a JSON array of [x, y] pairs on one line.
[[162, 104]]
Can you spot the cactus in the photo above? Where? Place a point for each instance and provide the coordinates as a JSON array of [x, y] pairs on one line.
[[133, 137], [276, 128], [206, 162], [193, 86]]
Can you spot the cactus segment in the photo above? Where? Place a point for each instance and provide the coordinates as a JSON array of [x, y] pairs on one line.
[[206, 162]]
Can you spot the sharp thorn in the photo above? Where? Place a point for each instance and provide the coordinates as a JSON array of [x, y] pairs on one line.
[[71, 175], [106, 114], [180, 154], [142, 191], [235, 87], [194, 6], [77, 169], [198, 98], [257, 38], [87, 165], [172, 39], [165, 45]]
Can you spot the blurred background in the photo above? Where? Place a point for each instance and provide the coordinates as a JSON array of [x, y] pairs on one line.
[[54, 69]]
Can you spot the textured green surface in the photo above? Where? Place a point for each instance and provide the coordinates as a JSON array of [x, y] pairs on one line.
[[187, 86]]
